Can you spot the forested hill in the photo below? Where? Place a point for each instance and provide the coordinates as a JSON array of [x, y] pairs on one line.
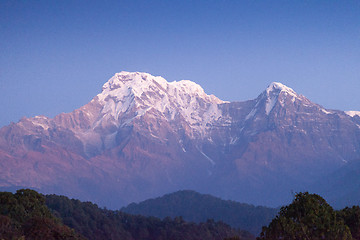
[[24, 215], [96, 223], [196, 207], [30, 215]]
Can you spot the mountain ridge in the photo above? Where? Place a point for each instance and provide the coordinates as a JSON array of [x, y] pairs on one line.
[[142, 137]]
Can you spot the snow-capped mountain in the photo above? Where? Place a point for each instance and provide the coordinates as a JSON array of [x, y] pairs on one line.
[[131, 95], [142, 136]]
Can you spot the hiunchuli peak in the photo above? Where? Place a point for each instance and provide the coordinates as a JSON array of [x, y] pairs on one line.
[[272, 93], [277, 87]]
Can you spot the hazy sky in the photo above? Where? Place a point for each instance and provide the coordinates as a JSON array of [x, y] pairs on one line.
[[56, 55]]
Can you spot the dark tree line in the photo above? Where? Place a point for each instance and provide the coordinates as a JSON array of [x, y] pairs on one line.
[[309, 216], [30, 215], [96, 223], [24, 215], [196, 207]]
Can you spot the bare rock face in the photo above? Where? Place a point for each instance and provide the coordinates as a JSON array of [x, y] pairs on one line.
[[143, 136]]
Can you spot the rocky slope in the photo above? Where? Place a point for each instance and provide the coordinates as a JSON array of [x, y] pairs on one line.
[[143, 136]]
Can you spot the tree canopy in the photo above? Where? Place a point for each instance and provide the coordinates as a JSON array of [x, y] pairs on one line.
[[24, 215], [309, 216], [96, 223], [351, 217]]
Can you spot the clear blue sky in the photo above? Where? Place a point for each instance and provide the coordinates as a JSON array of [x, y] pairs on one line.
[[56, 55]]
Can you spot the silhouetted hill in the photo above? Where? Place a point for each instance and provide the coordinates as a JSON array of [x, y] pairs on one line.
[[96, 223], [196, 207]]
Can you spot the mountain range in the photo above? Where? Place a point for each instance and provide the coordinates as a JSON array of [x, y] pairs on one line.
[[142, 137]]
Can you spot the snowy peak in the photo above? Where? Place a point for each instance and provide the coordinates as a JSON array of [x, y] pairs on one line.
[[130, 83], [276, 87], [130, 95], [273, 92], [136, 83]]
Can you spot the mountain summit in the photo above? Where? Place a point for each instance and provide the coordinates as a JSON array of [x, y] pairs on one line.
[[132, 95], [276, 90], [142, 137]]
